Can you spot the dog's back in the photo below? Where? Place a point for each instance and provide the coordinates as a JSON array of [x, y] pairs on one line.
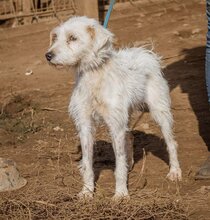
[[139, 70]]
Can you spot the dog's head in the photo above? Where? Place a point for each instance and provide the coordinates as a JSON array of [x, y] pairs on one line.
[[79, 41]]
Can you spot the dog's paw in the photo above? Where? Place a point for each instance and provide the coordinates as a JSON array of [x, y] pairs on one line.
[[175, 174], [118, 197], [85, 194]]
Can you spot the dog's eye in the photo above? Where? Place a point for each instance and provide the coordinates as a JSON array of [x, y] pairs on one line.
[[71, 38], [54, 37]]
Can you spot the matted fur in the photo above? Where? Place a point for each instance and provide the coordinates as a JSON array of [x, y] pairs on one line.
[[110, 84]]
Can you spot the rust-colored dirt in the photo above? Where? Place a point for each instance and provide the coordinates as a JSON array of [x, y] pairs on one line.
[[37, 133]]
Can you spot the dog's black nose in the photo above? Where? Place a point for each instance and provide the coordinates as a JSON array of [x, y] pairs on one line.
[[49, 56]]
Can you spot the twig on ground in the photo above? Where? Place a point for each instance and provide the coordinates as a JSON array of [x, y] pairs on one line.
[[52, 109], [138, 120], [142, 169], [45, 203]]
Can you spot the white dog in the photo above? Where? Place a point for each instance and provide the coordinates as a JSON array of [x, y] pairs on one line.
[[110, 84]]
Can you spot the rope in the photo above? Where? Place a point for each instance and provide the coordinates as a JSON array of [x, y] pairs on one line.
[[108, 13]]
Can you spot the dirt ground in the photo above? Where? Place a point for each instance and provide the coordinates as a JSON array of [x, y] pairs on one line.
[[37, 133]]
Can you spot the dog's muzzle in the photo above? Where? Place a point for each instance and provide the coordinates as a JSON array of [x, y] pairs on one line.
[[49, 56]]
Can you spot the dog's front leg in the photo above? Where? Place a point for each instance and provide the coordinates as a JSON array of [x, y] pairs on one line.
[[81, 113], [86, 168]]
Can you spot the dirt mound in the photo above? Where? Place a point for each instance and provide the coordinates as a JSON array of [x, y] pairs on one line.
[[14, 105], [17, 118]]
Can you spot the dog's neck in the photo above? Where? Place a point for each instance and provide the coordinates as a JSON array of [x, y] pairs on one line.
[[95, 60]]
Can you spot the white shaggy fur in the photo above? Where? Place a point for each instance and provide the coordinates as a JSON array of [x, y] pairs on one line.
[[110, 84]]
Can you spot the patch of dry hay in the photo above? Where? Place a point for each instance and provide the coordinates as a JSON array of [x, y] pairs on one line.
[[49, 195], [61, 205]]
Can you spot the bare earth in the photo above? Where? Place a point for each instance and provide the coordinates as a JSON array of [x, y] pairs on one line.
[[37, 133]]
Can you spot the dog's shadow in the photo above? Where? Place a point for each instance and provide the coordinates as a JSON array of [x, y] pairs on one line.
[[104, 157]]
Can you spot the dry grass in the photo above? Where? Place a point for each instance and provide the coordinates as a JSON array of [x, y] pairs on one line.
[[54, 181], [62, 205]]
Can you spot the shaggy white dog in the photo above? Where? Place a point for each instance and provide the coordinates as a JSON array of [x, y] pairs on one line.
[[110, 84]]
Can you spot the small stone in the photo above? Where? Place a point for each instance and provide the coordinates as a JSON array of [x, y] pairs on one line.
[[139, 25], [28, 72], [57, 128], [158, 14], [176, 33], [10, 176], [196, 31]]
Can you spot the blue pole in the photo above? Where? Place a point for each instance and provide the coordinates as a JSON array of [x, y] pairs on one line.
[[108, 13]]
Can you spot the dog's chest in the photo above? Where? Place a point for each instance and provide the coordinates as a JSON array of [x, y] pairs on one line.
[[98, 95]]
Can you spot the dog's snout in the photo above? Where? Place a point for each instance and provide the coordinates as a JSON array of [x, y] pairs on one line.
[[49, 56]]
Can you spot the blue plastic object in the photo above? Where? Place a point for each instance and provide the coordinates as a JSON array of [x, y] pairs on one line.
[[108, 13]]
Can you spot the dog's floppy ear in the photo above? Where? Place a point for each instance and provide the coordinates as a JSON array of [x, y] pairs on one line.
[[103, 38], [53, 37], [91, 31]]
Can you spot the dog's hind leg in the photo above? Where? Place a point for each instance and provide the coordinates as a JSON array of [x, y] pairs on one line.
[[117, 124], [158, 100]]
